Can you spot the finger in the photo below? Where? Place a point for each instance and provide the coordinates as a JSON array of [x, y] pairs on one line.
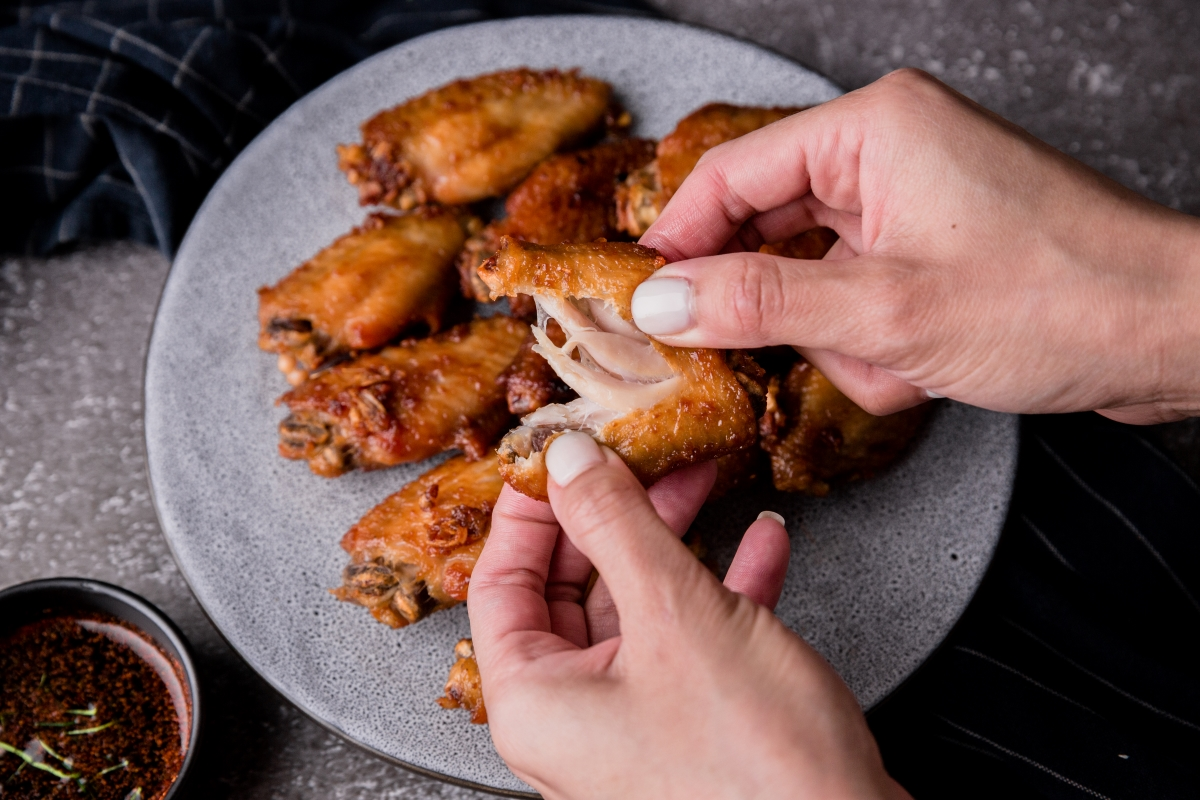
[[677, 498], [760, 565], [816, 150], [609, 517], [872, 389], [508, 585], [749, 300], [566, 589]]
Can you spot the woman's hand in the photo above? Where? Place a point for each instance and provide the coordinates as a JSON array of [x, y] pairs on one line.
[[698, 691], [974, 262]]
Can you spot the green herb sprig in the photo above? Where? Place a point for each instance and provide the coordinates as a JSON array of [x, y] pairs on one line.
[[42, 765], [90, 731]]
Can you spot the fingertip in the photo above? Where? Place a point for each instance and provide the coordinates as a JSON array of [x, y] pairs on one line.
[[759, 567]]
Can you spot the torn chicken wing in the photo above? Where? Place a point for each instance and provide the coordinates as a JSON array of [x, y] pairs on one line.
[[413, 554], [464, 689], [816, 436], [362, 291], [406, 402], [660, 408], [473, 138], [530, 382], [567, 198], [645, 193]]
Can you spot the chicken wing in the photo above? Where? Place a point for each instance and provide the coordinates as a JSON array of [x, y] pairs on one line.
[[464, 689], [529, 381], [811, 245], [406, 402], [363, 290], [645, 193], [567, 198], [413, 554], [659, 407], [473, 138], [815, 435]]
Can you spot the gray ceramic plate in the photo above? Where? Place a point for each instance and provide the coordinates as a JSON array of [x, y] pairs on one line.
[[880, 570]]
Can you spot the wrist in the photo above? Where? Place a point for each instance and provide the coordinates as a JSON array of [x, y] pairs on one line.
[[1171, 319]]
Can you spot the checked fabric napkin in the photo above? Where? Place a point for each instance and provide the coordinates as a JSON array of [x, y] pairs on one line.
[[117, 116]]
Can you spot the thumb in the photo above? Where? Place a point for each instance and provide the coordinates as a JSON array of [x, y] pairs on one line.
[[852, 317], [608, 516]]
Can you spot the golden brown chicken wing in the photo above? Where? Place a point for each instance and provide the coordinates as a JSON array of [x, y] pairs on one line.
[[529, 381], [406, 402], [659, 407], [413, 554], [811, 245], [567, 198], [473, 138], [464, 689], [816, 435], [645, 193], [363, 290]]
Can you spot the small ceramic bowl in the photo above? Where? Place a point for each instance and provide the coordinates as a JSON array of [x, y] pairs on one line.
[[36, 600]]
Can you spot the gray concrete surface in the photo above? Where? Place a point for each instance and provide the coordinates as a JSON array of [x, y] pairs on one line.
[[1113, 83]]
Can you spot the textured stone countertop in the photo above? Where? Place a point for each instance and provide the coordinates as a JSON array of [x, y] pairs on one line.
[[1112, 83]]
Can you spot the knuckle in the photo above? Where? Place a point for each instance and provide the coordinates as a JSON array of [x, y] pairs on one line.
[[753, 300]]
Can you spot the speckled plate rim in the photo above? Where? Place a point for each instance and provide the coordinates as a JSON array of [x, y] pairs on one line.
[[299, 108]]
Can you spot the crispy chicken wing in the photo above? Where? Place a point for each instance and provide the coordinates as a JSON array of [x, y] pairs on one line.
[[473, 138], [816, 435], [645, 193], [464, 689], [811, 245], [567, 198], [659, 407], [529, 381], [413, 554], [406, 402], [362, 291]]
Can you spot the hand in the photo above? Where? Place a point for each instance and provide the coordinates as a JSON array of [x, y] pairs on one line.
[[699, 691], [974, 262]]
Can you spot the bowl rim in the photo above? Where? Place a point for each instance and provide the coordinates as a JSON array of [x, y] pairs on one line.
[[166, 628]]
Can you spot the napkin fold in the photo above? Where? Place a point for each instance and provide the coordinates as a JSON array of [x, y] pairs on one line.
[[121, 114]]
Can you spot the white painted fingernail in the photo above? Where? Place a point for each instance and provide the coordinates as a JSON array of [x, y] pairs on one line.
[[663, 306], [771, 515], [570, 454], [932, 395]]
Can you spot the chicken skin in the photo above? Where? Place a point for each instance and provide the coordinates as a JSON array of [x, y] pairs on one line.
[[363, 290], [464, 689], [645, 193], [473, 138], [660, 408], [406, 402], [816, 436], [413, 554], [567, 198]]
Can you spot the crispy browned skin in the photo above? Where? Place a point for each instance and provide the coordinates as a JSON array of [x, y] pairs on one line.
[[816, 435], [811, 245], [413, 554], [567, 198], [463, 686], [706, 413], [530, 382], [473, 138], [645, 193], [406, 402], [363, 290]]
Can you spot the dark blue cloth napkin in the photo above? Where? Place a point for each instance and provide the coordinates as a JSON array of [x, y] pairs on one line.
[[118, 116]]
